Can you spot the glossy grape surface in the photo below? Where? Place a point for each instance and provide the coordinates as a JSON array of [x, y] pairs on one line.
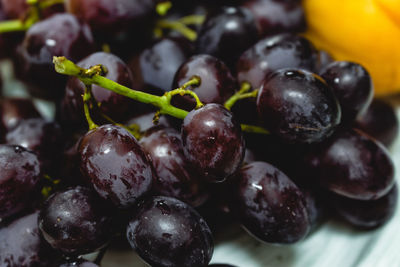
[[226, 33], [59, 35], [157, 64], [274, 53], [269, 205], [213, 142], [352, 86], [19, 178], [274, 17], [366, 214], [175, 176], [350, 164], [75, 221], [168, 232], [22, 246], [217, 83], [380, 121], [116, 165], [41, 136], [298, 106], [111, 104], [111, 17]]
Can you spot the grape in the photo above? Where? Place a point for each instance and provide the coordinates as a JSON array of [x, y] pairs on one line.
[[269, 205], [352, 86], [227, 33], [14, 110], [111, 17], [380, 121], [274, 17], [366, 214], [168, 232], [324, 59], [217, 83], [213, 142], [115, 164], [43, 137], [78, 264], [22, 246], [175, 176], [112, 104], [19, 178], [273, 53], [59, 35], [221, 265], [350, 164], [298, 106], [75, 221], [156, 65]]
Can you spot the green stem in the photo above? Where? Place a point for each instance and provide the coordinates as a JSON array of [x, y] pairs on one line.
[[13, 26], [241, 94], [254, 129], [163, 8], [93, 76], [87, 96], [177, 26], [192, 20]]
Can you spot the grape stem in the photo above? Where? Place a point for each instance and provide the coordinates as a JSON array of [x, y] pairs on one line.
[[31, 17], [175, 25], [87, 96], [241, 94], [94, 74]]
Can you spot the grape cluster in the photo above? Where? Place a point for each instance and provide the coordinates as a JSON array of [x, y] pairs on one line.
[[200, 114]]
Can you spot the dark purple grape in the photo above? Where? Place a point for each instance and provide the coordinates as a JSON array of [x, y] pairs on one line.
[[111, 104], [380, 121], [324, 59], [221, 265], [14, 110], [366, 214], [274, 17], [226, 33], [75, 221], [274, 53], [22, 246], [41, 136], [78, 264], [168, 232], [116, 165], [269, 205], [111, 17], [59, 35], [352, 86], [350, 164], [217, 83], [19, 178], [298, 106], [175, 176], [213, 142], [155, 67]]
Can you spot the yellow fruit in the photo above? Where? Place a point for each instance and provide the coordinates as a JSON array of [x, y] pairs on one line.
[[363, 31]]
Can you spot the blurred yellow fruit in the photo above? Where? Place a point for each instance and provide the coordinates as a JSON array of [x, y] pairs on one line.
[[363, 31]]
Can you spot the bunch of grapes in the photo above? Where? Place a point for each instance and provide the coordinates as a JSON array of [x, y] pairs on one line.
[[174, 119]]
